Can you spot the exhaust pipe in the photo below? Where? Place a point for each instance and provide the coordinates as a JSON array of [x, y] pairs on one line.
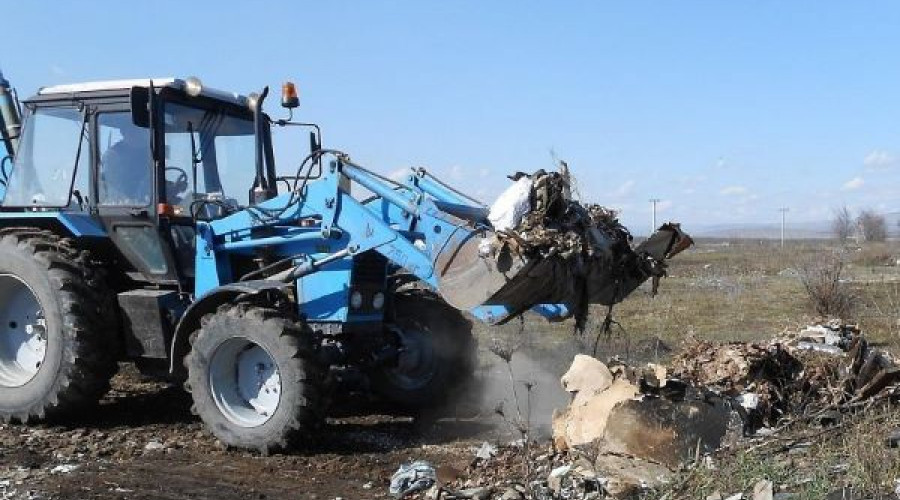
[[10, 121]]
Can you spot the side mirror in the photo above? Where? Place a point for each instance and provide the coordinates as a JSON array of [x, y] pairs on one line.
[[289, 98], [140, 106]]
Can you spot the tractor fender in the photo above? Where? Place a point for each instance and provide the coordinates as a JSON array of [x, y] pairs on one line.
[[209, 302]]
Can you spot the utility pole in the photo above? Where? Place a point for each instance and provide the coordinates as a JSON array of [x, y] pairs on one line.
[[654, 201], [783, 211]]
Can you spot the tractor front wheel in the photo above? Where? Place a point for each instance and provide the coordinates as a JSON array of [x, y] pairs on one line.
[[437, 353], [252, 378]]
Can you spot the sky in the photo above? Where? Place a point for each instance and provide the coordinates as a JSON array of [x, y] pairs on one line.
[[725, 111]]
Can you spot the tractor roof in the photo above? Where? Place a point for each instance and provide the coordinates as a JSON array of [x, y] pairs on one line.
[[126, 85], [72, 88]]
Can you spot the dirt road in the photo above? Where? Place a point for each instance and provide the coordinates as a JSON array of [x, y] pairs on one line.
[[143, 443]]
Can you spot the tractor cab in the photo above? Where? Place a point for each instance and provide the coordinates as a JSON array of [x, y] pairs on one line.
[[134, 164]]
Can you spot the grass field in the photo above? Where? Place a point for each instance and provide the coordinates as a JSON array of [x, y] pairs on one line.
[[753, 290]]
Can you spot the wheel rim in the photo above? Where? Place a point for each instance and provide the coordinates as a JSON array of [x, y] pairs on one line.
[[23, 332], [416, 363], [244, 382]]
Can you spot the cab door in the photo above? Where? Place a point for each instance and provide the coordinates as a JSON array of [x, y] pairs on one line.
[[126, 192]]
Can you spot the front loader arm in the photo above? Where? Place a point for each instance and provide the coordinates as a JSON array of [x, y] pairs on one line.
[[422, 226]]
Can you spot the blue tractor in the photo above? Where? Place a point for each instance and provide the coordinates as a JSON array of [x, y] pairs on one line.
[[144, 220]]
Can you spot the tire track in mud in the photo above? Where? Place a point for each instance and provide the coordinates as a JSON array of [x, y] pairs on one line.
[[142, 443]]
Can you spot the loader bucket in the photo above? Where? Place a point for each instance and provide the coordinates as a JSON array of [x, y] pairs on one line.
[[518, 279], [467, 279]]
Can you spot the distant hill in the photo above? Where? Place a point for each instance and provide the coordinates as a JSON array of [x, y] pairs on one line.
[[763, 230], [772, 230]]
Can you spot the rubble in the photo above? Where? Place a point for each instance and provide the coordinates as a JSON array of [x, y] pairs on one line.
[[485, 451], [762, 490], [567, 252], [650, 421], [626, 475], [893, 439]]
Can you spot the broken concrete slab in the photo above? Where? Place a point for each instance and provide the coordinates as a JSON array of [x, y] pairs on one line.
[[586, 377], [669, 432], [630, 417], [586, 423]]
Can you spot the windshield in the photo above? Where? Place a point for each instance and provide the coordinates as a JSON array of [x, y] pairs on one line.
[[53, 143], [209, 155]]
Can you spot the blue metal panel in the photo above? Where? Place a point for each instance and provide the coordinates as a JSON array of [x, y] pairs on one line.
[[79, 224], [552, 311], [495, 313], [324, 295], [82, 224], [210, 269]]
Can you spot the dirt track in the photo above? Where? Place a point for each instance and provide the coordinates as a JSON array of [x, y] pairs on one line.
[[144, 443], [353, 457]]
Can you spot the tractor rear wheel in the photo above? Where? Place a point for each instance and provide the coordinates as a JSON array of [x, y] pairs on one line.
[[437, 353], [252, 378], [57, 328]]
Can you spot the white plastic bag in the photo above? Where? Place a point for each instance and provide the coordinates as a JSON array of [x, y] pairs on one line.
[[509, 208]]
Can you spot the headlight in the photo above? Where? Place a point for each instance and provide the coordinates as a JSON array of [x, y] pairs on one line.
[[356, 300], [378, 300]]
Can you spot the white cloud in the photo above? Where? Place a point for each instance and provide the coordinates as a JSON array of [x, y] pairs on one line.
[[57, 70], [624, 190], [457, 173], [854, 183], [879, 159], [399, 174], [733, 191]]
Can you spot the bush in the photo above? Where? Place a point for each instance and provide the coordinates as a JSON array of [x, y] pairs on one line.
[[872, 225], [828, 293], [842, 225]]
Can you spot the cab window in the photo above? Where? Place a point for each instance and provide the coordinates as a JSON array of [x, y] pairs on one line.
[[210, 157], [125, 177], [54, 144]]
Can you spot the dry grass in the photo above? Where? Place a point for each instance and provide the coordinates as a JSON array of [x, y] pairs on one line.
[[732, 290], [753, 291], [809, 463]]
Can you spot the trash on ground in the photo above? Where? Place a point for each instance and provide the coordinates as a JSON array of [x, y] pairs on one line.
[[412, 477]]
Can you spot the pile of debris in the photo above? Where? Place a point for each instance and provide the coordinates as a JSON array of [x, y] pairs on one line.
[[629, 430], [713, 395], [813, 373], [573, 253]]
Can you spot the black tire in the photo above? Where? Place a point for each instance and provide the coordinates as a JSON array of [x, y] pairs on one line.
[[436, 376], [301, 405], [81, 325]]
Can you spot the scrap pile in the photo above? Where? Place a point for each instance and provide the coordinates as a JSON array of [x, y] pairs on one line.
[[576, 254], [628, 429], [755, 376], [813, 373], [713, 395]]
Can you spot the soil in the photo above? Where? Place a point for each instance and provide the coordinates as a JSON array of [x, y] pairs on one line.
[[143, 442]]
